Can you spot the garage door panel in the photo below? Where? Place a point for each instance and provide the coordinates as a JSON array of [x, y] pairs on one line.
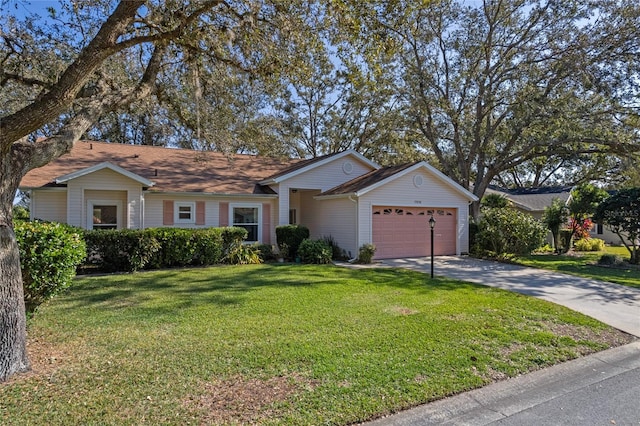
[[405, 232]]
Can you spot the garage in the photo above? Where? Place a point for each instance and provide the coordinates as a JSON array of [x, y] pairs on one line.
[[404, 231]]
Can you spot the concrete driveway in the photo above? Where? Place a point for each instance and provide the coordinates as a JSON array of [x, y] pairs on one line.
[[613, 304]]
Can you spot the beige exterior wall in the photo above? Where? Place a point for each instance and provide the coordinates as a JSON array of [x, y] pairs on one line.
[[154, 209], [321, 178], [97, 186], [403, 192], [49, 205]]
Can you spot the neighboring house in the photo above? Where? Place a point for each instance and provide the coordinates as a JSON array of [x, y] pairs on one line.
[[535, 200], [344, 195]]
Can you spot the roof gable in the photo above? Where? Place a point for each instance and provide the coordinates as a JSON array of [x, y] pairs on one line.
[[377, 178], [305, 166], [101, 166]]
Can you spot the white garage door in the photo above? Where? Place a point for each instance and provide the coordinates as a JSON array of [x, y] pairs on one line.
[[404, 231]]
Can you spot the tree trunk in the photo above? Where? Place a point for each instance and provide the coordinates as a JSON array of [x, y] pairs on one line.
[[13, 323]]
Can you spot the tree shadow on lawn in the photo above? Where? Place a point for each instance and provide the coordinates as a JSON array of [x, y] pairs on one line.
[[184, 288]]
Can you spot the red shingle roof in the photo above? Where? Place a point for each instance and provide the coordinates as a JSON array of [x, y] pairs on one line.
[[172, 170]]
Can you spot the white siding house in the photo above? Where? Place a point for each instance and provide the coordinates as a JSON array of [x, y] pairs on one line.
[[344, 195]]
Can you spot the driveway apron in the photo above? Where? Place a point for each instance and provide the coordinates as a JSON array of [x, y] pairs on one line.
[[613, 304]]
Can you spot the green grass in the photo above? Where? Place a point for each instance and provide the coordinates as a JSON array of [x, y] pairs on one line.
[[585, 264], [279, 344]]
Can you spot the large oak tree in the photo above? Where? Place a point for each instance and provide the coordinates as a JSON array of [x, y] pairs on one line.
[[98, 57], [511, 89]]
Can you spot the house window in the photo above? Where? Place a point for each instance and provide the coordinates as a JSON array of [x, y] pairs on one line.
[[293, 219], [104, 214], [247, 216], [185, 212], [105, 217], [599, 229]]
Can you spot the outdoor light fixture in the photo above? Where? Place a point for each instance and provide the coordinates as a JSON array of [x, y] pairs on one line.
[[432, 224]]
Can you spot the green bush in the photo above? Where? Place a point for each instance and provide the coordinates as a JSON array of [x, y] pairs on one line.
[[366, 253], [610, 259], [289, 238], [243, 254], [265, 251], [49, 255], [337, 253], [589, 244], [122, 250], [508, 231], [545, 249], [128, 250], [315, 251]]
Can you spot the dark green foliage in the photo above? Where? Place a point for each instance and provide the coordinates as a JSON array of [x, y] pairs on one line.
[[49, 255], [315, 251], [495, 201], [266, 252], [128, 250], [610, 259], [621, 213], [366, 253], [289, 238], [337, 253], [123, 250], [508, 231], [20, 213]]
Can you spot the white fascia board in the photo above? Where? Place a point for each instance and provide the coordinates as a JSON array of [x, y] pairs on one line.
[[101, 166], [423, 164], [327, 160], [333, 197], [213, 194]]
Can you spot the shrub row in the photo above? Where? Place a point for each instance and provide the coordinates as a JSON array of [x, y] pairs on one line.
[[129, 250]]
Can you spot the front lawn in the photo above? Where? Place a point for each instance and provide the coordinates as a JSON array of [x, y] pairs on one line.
[[279, 344], [585, 264]]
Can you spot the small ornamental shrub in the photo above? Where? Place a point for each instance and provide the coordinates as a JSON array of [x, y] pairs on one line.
[[314, 251], [337, 253], [291, 236], [508, 231], [545, 249], [265, 251], [589, 244], [49, 255], [243, 254], [366, 253], [610, 259]]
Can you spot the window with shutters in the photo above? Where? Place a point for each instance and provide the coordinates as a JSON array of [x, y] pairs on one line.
[[184, 212]]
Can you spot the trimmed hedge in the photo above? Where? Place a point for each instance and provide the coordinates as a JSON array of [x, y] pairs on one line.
[[129, 250], [49, 255], [289, 238]]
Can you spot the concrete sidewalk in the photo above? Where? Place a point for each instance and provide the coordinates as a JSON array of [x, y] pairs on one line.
[[599, 389], [613, 304]]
